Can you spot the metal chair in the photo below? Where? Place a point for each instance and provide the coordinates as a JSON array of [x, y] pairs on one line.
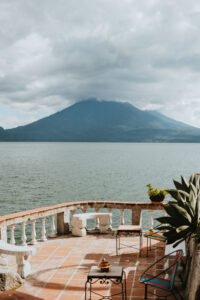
[[164, 280], [154, 235]]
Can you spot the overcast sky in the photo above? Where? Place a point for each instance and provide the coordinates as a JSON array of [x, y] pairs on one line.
[[55, 53]]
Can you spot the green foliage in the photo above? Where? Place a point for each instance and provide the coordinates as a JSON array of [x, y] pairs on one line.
[[183, 214], [155, 192]]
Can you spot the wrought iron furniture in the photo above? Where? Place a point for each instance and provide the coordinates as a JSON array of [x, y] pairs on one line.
[[164, 280], [153, 235], [115, 275], [128, 229]]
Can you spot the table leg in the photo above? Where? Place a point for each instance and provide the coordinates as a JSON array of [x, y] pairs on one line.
[[124, 279], [116, 246], [86, 290], [122, 290], [140, 242], [90, 291]]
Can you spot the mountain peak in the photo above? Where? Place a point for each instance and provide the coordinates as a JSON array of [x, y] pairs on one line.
[[99, 120]]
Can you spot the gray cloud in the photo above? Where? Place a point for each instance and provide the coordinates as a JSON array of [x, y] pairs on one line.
[[54, 53]]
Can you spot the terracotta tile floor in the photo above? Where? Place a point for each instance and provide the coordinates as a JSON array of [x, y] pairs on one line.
[[61, 265]]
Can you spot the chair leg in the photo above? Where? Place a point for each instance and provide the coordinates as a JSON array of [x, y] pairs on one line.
[[145, 294], [174, 295], [181, 297], [147, 246]]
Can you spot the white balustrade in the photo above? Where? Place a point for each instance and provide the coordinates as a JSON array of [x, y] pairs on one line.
[[43, 233], [63, 212], [12, 234], [33, 234], [53, 227], [24, 238]]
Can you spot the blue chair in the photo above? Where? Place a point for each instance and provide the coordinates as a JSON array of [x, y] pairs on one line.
[[164, 280]]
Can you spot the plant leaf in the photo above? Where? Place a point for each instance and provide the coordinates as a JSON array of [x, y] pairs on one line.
[[174, 193], [191, 180], [182, 214], [185, 184], [182, 228], [177, 184], [162, 227], [178, 242]]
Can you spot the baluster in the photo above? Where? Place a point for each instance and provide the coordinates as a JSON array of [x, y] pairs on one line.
[[12, 234], [97, 219], [53, 227], [43, 233], [110, 219], [24, 234], [33, 234], [84, 209], [150, 219], [122, 216]]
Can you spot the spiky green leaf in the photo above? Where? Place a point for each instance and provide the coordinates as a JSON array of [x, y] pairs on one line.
[[189, 209], [191, 180], [197, 213], [184, 194], [170, 210], [164, 227], [174, 193], [178, 185], [185, 184], [177, 243], [182, 228], [174, 222], [182, 214]]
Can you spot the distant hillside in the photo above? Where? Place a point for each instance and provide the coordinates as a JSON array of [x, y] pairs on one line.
[[105, 121]]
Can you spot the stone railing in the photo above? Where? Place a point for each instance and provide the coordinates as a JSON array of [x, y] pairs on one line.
[[62, 214]]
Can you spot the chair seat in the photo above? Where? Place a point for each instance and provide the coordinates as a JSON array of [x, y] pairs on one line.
[[155, 236], [129, 228], [158, 282]]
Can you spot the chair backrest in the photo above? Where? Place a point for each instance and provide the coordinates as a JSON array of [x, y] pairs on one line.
[[178, 257]]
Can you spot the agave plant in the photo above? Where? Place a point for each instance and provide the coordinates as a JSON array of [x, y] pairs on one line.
[[183, 213]]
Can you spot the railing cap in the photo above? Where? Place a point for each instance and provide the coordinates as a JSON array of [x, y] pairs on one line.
[[30, 213]]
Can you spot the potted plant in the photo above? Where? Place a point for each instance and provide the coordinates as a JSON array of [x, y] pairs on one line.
[[156, 195], [183, 213]]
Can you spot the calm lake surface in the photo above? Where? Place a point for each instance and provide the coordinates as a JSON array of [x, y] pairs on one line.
[[41, 174]]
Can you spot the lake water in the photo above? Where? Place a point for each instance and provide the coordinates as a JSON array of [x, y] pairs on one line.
[[40, 174]]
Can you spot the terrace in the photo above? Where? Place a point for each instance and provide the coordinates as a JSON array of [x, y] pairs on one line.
[[62, 261]]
